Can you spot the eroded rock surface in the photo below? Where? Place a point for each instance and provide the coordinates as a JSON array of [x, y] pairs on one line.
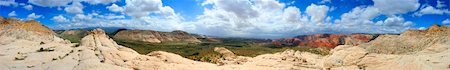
[[155, 36], [326, 40], [410, 41]]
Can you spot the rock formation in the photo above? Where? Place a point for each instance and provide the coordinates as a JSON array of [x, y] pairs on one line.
[[325, 40], [155, 36], [410, 41], [30, 30]]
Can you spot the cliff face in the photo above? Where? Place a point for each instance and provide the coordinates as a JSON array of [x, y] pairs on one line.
[[155, 36], [325, 40]]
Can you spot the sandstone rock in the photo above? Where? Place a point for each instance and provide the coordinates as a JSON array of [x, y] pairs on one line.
[[229, 57], [155, 36], [410, 41], [326, 40], [29, 30]]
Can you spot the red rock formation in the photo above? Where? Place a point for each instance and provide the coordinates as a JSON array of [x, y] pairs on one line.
[[324, 40]]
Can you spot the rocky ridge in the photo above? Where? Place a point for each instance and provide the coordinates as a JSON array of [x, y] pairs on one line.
[[410, 41], [325, 40], [150, 36], [20, 29]]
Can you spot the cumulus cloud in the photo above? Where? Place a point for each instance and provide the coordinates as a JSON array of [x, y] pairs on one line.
[[50, 3], [93, 2], [7, 3], [28, 7], [241, 8], [360, 19], [141, 8], [275, 22], [12, 14], [391, 7], [33, 16], [394, 21], [75, 8], [114, 8], [111, 20], [446, 22], [317, 12], [60, 19], [431, 10], [279, 20]]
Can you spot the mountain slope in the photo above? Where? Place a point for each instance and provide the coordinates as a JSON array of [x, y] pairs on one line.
[[150, 36]]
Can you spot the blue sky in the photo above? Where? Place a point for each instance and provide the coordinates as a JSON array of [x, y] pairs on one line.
[[236, 18]]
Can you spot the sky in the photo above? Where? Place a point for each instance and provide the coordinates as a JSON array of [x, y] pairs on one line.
[[236, 18]]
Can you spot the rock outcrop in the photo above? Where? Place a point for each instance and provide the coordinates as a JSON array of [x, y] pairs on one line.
[[325, 40], [29, 30], [155, 36], [410, 41]]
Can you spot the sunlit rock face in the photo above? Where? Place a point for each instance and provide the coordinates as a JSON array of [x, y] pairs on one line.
[[150, 36], [326, 40]]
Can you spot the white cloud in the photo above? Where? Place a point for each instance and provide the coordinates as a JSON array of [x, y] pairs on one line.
[[241, 8], [50, 3], [325, 1], [28, 7], [7, 3], [169, 13], [446, 22], [391, 7], [111, 16], [431, 10], [272, 21], [317, 12], [33, 16], [93, 2], [440, 4], [12, 14], [422, 28], [60, 19], [114, 8], [360, 19], [141, 8], [394, 21], [75, 8]]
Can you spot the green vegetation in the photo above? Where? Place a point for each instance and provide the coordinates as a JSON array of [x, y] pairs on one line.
[[75, 37], [205, 51], [72, 39]]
